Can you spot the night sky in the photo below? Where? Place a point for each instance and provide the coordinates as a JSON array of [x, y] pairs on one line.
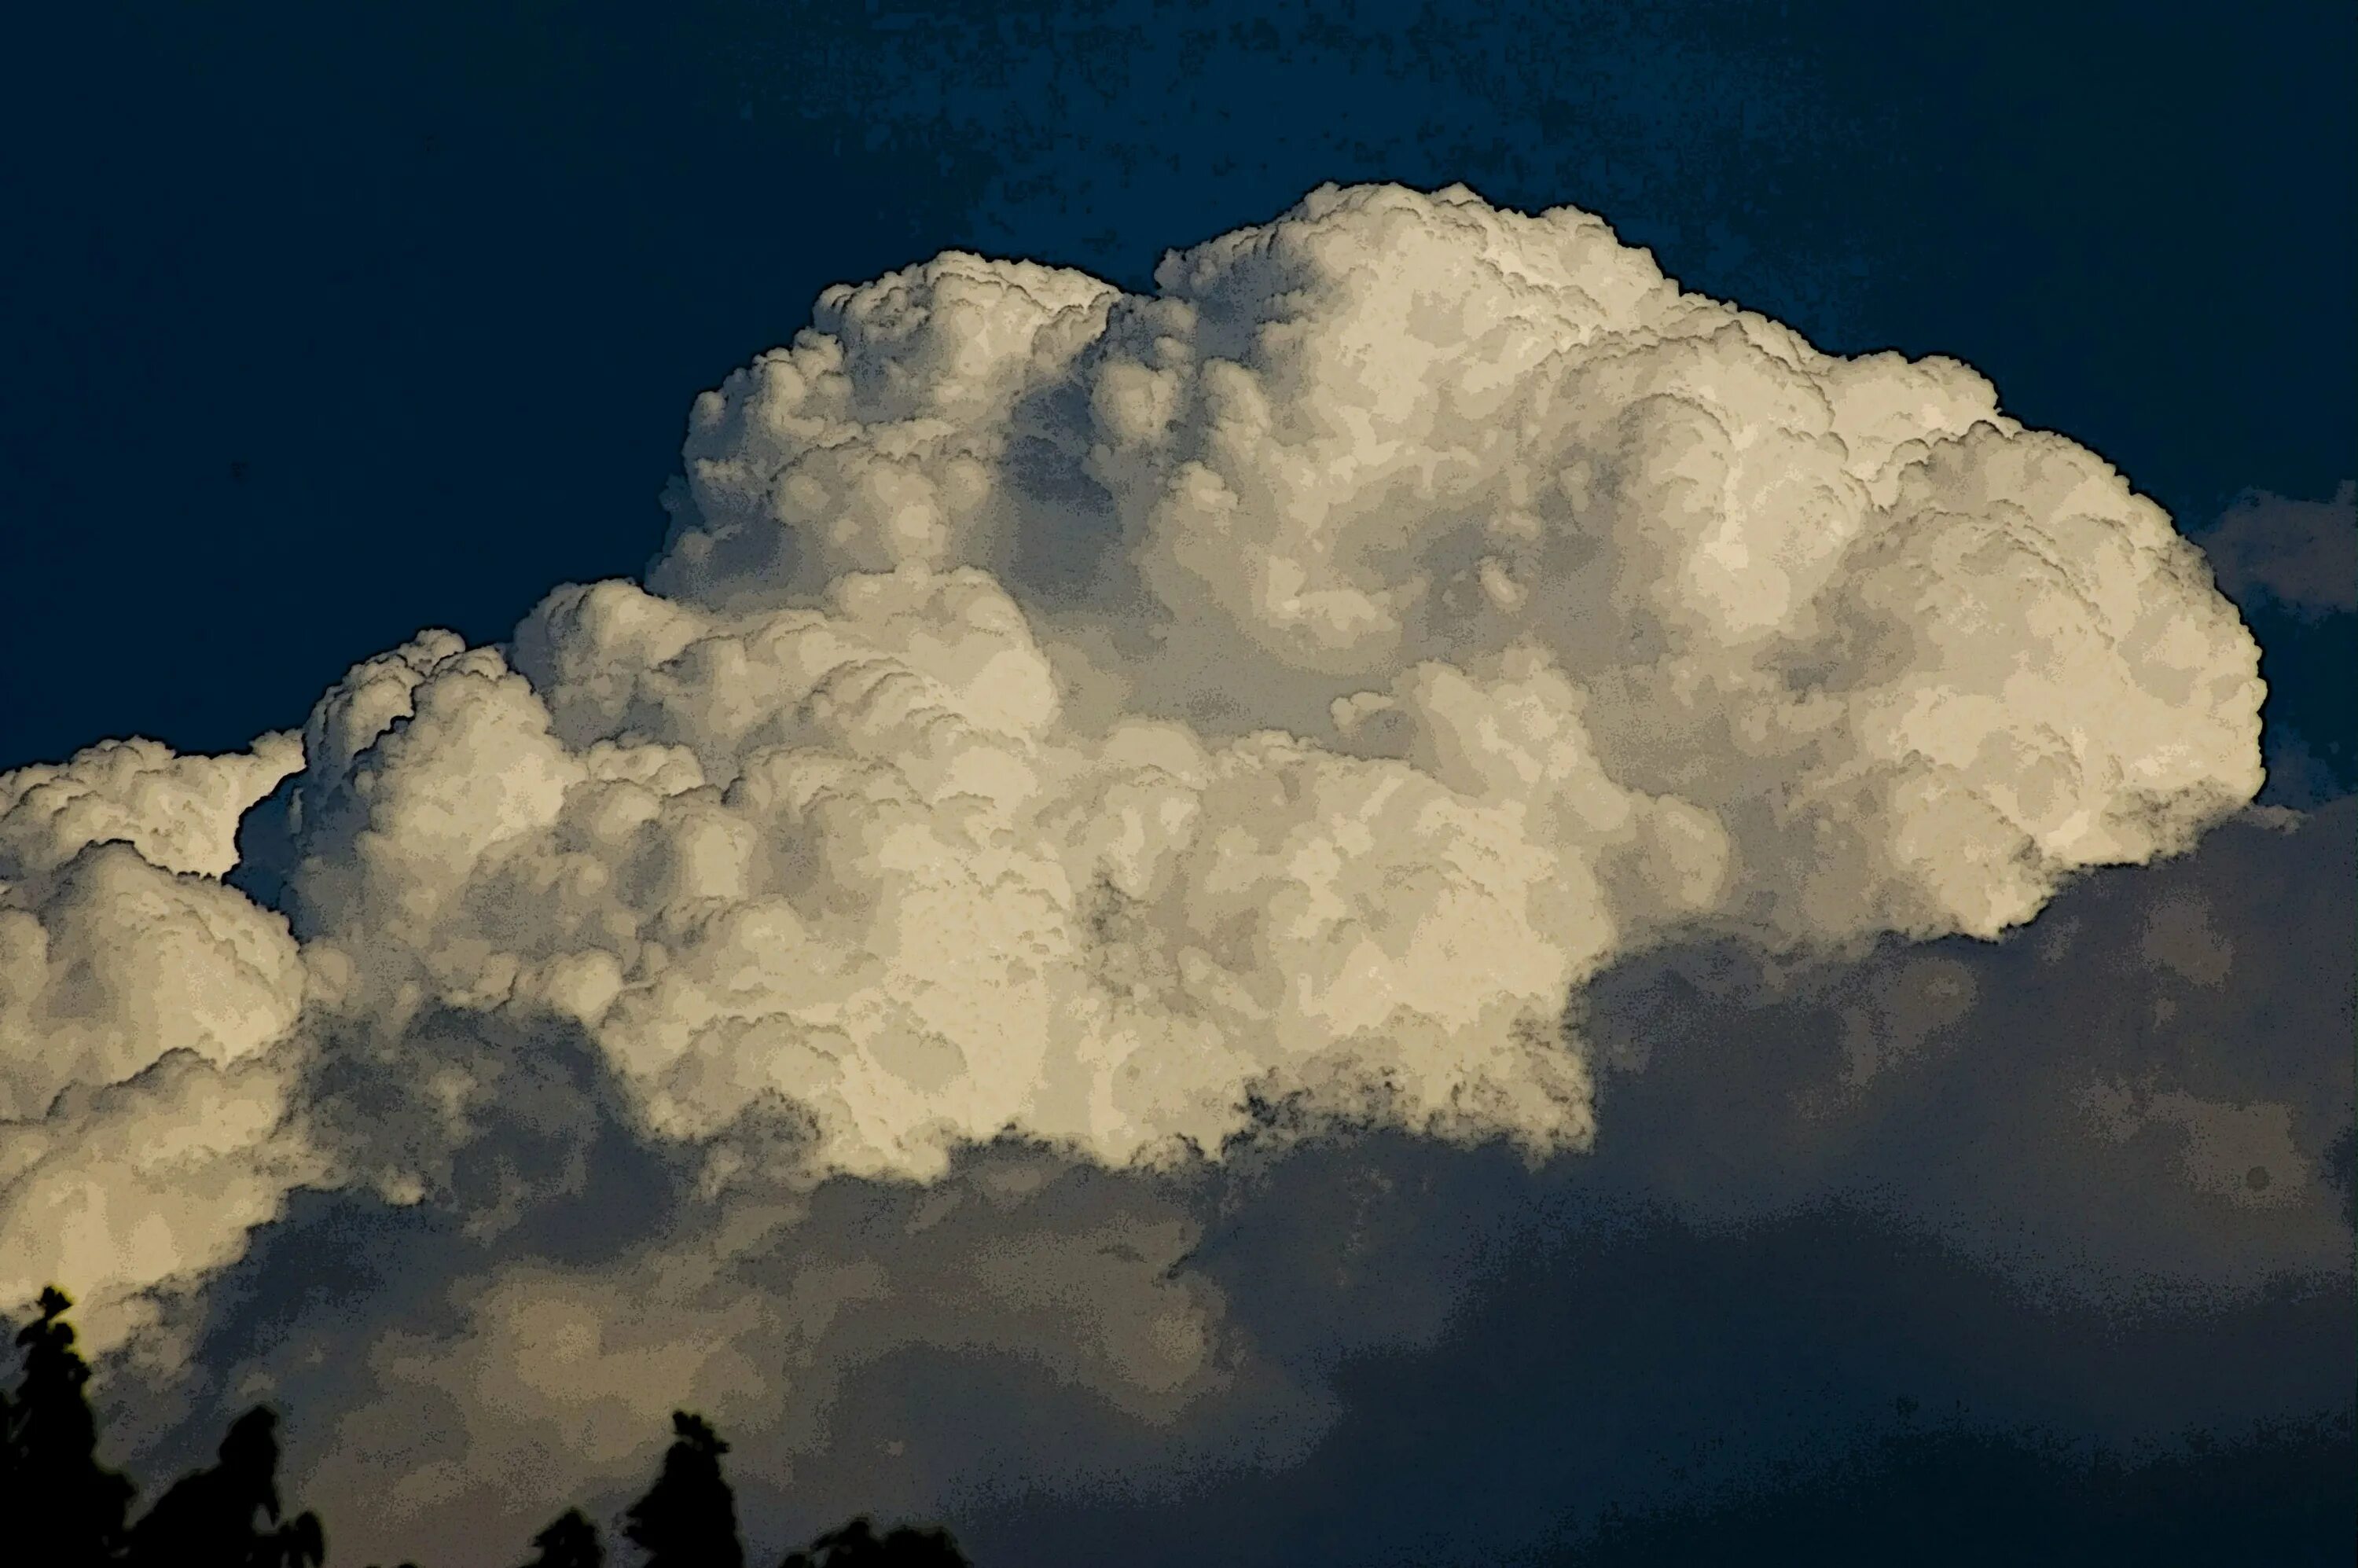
[[324, 326]]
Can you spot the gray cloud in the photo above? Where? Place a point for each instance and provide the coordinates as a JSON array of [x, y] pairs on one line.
[[2301, 554]]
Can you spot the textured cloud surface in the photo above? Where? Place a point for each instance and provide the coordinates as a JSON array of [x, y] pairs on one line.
[[1088, 721], [141, 1004]]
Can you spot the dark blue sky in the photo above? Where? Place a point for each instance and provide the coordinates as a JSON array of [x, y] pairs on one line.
[[322, 327]]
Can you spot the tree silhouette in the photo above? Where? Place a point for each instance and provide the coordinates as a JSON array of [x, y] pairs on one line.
[[689, 1518], [857, 1545], [60, 1509], [209, 1519], [569, 1542], [58, 1505]]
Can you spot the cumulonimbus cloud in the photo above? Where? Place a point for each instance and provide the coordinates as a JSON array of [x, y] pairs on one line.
[[1083, 717]]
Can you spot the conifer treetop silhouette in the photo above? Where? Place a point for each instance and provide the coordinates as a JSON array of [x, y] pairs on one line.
[[60, 1509], [211, 1519], [569, 1542], [689, 1518], [58, 1506], [857, 1545]]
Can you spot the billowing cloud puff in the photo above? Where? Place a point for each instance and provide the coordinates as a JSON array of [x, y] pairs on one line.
[[180, 812], [847, 857], [1913, 661], [140, 999], [1117, 726]]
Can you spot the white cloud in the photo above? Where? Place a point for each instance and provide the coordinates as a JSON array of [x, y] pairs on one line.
[[180, 812], [1919, 660], [1082, 718], [141, 1002]]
